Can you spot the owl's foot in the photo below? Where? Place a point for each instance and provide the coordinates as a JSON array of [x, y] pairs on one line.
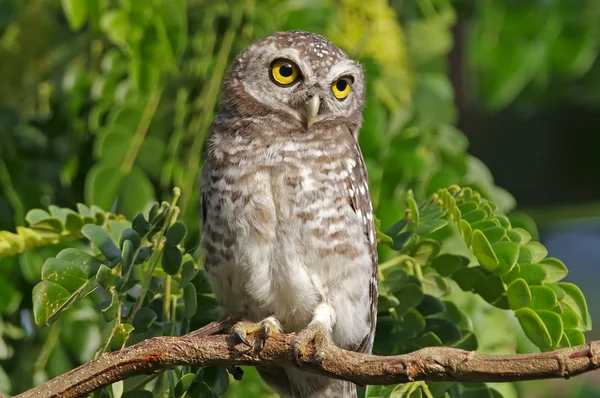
[[313, 340], [265, 328]]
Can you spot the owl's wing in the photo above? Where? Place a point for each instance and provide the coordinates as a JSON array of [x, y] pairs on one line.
[[360, 199]]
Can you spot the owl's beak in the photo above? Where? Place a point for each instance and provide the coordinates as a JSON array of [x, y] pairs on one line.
[[312, 109]]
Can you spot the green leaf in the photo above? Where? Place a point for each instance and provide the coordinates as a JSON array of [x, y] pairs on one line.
[[143, 255], [135, 193], [117, 389], [534, 328], [466, 232], [188, 271], [575, 337], [386, 301], [122, 332], [171, 260], [217, 379], [99, 237], [518, 294], [467, 342], [190, 300], [485, 225], [494, 234], [429, 339], [575, 299], [413, 216], [143, 319], [491, 288], [127, 256], [446, 264], [41, 219], [396, 228], [457, 316], [199, 390], [76, 12], [138, 394], [88, 215], [64, 273], [106, 278], [429, 226], [554, 268], [468, 206], [435, 285], [132, 236], [569, 317], [507, 254], [532, 252], [468, 278], [542, 298], [553, 324], [518, 235], [48, 299], [115, 24], [5, 383], [110, 310], [88, 263], [474, 216], [102, 184], [140, 224], [483, 251], [400, 240], [426, 251], [184, 383], [176, 233], [74, 222], [409, 297], [560, 293], [533, 274], [430, 305]]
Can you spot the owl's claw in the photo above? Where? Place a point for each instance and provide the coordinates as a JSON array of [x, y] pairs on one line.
[[240, 335], [314, 339], [265, 328]]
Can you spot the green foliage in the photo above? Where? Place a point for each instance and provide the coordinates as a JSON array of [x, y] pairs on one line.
[[510, 271], [113, 110], [519, 47]]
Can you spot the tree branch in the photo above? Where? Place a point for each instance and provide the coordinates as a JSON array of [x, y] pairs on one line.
[[428, 364]]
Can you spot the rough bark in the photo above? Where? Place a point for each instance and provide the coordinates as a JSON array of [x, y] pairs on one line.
[[199, 348]]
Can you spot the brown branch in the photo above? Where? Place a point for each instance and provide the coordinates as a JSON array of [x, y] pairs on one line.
[[428, 364]]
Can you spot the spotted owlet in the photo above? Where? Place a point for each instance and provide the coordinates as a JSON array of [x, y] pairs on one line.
[[287, 222]]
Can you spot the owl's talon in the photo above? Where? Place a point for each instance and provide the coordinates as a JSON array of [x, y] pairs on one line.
[[265, 328], [315, 334], [318, 359], [239, 335]]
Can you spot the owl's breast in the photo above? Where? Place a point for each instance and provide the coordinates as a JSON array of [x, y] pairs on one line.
[[291, 228]]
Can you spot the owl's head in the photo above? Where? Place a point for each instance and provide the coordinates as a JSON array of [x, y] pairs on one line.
[[297, 75]]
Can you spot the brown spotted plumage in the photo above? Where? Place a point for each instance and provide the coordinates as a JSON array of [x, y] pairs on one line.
[[287, 222]]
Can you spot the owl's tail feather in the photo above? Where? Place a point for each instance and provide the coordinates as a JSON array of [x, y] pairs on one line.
[[335, 389], [294, 383]]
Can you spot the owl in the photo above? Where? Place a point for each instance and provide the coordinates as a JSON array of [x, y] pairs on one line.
[[287, 223]]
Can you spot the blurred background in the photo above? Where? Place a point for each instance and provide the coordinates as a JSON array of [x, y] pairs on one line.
[[108, 102]]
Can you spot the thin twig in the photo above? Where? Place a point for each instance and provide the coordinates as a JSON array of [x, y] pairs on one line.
[[428, 364]]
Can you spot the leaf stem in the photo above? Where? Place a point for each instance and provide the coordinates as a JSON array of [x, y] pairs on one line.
[[142, 129]]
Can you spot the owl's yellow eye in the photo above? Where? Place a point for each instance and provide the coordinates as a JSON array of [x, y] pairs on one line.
[[284, 72], [342, 87]]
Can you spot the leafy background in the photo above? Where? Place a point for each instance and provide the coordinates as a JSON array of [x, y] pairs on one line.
[[107, 104]]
